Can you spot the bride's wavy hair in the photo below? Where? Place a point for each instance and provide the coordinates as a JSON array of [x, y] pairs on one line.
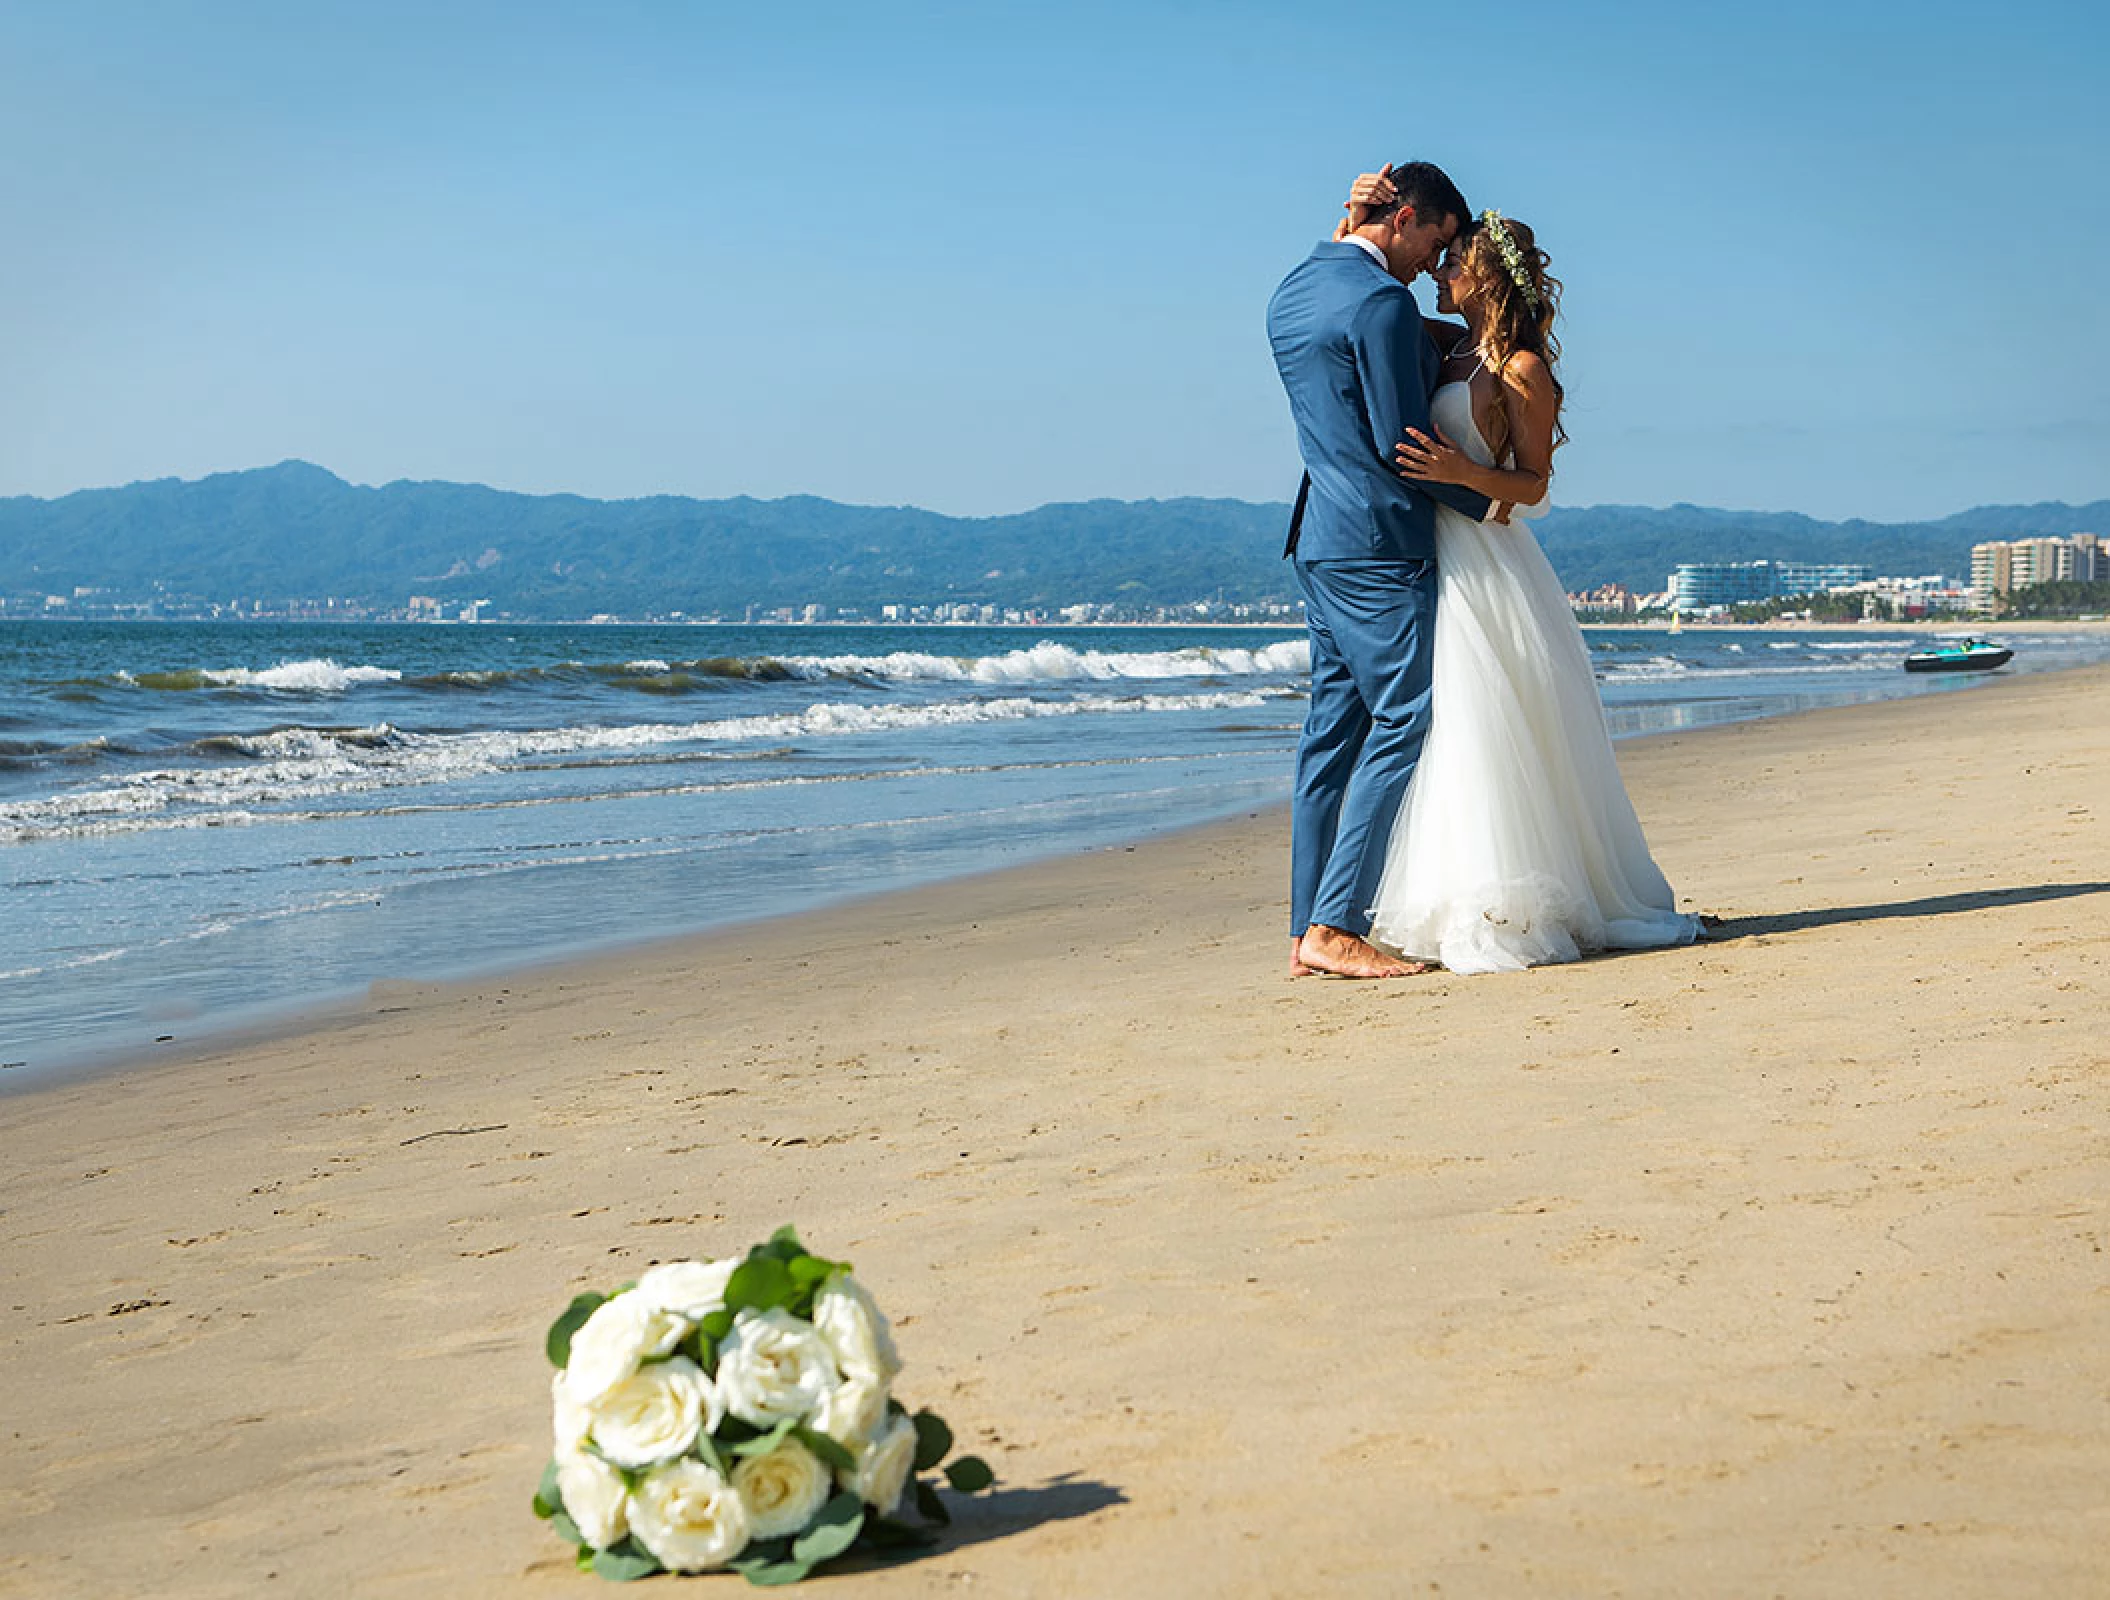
[[1511, 323]]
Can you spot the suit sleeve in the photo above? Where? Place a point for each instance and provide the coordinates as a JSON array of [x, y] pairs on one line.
[[1388, 350]]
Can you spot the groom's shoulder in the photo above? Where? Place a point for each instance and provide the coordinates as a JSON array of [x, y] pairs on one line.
[[1337, 258], [1326, 283], [1389, 305]]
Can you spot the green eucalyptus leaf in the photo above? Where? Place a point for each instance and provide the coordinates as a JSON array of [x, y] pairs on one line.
[[703, 1350], [810, 1270], [933, 1440], [969, 1474], [707, 1453], [549, 1500], [808, 1275], [561, 1524], [784, 1243], [761, 1283], [582, 1558], [833, 1530], [771, 1574], [828, 1450], [930, 1505], [763, 1561], [716, 1325], [762, 1443], [625, 1561], [570, 1322]]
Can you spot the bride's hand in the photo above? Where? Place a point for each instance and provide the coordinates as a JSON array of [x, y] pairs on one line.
[[1427, 460], [1370, 190]]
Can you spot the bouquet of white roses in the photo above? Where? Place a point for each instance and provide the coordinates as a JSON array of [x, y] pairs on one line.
[[737, 1414]]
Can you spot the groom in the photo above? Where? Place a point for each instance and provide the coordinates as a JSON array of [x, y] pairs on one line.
[[1358, 369]]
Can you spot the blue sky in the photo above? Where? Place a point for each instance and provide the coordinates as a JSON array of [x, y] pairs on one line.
[[1845, 259]]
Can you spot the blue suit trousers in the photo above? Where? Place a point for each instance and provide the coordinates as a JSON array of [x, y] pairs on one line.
[[1372, 627]]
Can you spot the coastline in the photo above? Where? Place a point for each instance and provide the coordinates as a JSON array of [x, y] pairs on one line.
[[1772, 1263], [2045, 625]]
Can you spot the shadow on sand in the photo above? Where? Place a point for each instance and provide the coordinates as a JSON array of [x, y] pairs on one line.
[[998, 1514], [1003, 1512], [1939, 905]]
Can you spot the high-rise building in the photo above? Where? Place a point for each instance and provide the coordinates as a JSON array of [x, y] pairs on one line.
[[1699, 585], [1702, 585], [1809, 577], [1992, 572], [2001, 566]]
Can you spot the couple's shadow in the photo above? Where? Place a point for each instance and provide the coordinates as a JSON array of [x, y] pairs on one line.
[[1939, 905]]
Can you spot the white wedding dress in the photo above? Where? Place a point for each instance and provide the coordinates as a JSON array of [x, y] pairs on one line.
[[1516, 845]]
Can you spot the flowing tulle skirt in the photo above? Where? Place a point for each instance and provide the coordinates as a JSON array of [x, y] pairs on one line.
[[1517, 844]]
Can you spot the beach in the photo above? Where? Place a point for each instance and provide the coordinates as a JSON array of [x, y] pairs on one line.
[[1772, 1266]]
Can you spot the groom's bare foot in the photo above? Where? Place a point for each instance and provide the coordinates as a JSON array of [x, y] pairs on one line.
[[1343, 955], [1297, 968]]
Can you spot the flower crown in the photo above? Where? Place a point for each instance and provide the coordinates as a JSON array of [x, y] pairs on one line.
[[1512, 257]]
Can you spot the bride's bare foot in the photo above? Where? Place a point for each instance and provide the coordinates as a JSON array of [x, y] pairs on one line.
[[1343, 955]]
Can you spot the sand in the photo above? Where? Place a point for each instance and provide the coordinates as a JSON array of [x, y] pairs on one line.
[[1768, 1267]]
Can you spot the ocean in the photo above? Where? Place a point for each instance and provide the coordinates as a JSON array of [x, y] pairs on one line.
[[205, 823]]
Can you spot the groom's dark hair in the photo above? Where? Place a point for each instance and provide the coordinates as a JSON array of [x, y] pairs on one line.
[[1428, 189]]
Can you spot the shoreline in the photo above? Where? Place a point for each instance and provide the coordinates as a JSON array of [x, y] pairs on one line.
[[978, 894], [1295, 625], [272, 1022], [190, 1039], [1778, 1256], [1976, 625]]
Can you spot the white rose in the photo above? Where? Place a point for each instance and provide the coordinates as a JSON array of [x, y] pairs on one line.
[[594, 1494], [773, 1365], [853, 1410], [621, 1335], [569, 1420], [850, 1320], [882, 1467], [783, 1489], [691, 1289], [654, 1414], [688, 1516]]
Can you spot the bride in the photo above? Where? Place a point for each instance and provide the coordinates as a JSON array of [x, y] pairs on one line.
[[1517, 844]]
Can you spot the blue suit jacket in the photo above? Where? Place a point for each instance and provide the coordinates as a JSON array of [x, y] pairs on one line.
[[1358, 369]]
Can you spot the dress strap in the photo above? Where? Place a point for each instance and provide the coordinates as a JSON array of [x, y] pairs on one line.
[[1479, 361]]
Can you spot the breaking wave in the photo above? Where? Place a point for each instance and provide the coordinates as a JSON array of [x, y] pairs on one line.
[[288, 766]]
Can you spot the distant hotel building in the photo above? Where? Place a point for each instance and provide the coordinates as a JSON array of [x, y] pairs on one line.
[[1703, 585], [2001, 566], [1610, 600]]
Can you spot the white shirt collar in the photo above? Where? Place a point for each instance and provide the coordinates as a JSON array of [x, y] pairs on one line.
[[1369, 250]]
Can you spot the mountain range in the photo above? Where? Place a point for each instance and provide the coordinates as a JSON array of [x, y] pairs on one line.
[[298, 530]]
